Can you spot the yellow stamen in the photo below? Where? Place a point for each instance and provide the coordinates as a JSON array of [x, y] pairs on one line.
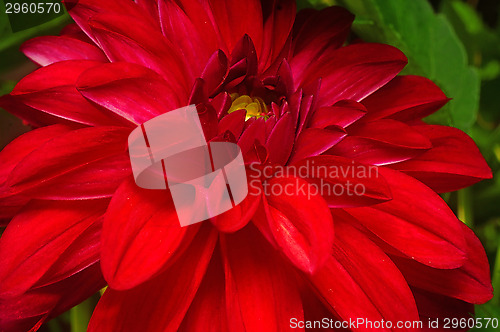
[[255, 107]]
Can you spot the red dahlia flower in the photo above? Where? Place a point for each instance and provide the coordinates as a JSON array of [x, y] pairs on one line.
[[285, 89]]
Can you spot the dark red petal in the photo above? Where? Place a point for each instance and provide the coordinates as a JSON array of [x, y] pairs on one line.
[[343, 182], [141, 233], [57, 225], [133, 92], [324, 31], [261, 293], [353, 72], [49, 49], [52, 90], [351, 280], [300, 221], [441, 309], [215, 72], [279, 16], [85, 149], [405, 98], [256, 131], [315, 141], [280, 140], [471, 282], [416, 221], [160, 304], [234, 122], [342, 114], [453, 163], [381, 142]]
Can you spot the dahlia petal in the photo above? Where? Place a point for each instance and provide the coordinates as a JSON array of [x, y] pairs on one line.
[[353, 72], [143, 45], [233, 122], [315, 141], [208, 310], [256, 131], [160, 303], [49, 49], [28, 311], [432, 306], [88, 149], [350, 281], [343, 182], [382, 142], [52, 90], [215, 71], [83, 253], [81, 11], [256, 275], [470, 282], [179, 29], [133, 92], [322, 32], [280, 140], [235, 19], [300, 222], [141, 233], [453, 163], [342, 114], [57, 224], [279, 16], [405, 98], [416, 221], [239, 216]]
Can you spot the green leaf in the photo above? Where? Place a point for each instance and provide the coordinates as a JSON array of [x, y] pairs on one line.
[[490, 313], [431, 45]]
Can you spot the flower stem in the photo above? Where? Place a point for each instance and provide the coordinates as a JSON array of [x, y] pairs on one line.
[[80, 316], [496, 279], [464, 209]]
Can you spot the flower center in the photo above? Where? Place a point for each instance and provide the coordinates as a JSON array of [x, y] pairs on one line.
[[255, 107]]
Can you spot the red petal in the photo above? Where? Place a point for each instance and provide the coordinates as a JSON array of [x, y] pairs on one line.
[[143, 45], [280, 140], [85, 149], [30, 310], [299, 220], [279, 17], [234, 122], [235, 19], [416, 221], [261, 293], [49, 49], [208, 311], [453, 163], [342, 114], [161, 303], [471, 282], [344, 182], [351, 280], [141, 233], [57, 225], [52, 90], [405, 98], [324, 31], [315, 141], [381, 142], [133, 92], [353, 72]]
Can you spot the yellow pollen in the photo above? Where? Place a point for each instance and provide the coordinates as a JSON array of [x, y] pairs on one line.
[[255, 107]]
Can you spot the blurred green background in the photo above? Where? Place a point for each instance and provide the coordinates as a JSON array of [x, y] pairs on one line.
[[456, 43]]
